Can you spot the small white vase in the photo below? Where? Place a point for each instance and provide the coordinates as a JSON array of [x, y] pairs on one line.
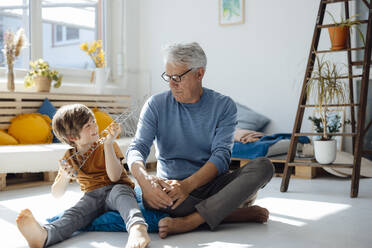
[[325, 151], [100, 79]]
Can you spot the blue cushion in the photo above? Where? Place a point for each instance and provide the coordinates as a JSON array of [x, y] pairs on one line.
[[249, 119], [48, 109], [112, 221]]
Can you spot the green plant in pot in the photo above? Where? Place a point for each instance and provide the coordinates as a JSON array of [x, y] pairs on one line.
[[42, 76], [339, 33], [326, 88], [334, 123]]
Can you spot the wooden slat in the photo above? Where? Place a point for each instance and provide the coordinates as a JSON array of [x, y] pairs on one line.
[[17, 111], [6, 118], [314, 164], [334, 25], [367, 152], [40, 95], [6, 104], [335, 1], [342, 77], [339, 1], [320, 134], [330, 105], [90, 103], [359, 63], [341, 50]]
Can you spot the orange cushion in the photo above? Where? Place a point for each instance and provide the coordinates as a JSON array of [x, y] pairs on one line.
[[6, 139], [32, 128]]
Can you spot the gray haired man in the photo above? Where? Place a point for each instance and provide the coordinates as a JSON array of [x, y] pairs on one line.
[[193, 131]]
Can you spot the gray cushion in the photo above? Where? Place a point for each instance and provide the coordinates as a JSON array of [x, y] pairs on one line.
[[249, 119]]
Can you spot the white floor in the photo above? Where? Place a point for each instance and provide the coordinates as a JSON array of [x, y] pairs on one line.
[[313, 213]]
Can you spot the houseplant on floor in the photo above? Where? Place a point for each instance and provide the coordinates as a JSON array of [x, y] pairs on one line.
[[339, 33], [326, 88], [42, 76]]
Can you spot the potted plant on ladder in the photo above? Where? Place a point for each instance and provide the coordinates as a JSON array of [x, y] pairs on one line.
[[339, 33], [326, 87]]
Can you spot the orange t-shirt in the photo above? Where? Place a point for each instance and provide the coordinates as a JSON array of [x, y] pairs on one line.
[[92, 174]]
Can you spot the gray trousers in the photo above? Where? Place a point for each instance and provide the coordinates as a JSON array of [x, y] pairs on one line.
[[217, 199], [117, 197]]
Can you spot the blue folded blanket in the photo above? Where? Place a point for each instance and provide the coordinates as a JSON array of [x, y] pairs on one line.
[[259, 148], [112, 221]]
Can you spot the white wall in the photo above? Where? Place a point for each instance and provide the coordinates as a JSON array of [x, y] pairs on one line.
[[260, 63]]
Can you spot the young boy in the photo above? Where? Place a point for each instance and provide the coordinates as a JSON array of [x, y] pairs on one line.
[[102, 178]]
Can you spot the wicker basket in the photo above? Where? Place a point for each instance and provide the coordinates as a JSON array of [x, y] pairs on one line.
[[42, 83]]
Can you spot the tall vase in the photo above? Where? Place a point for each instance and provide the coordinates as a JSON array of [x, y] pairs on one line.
[[10, 76], [100, 79]]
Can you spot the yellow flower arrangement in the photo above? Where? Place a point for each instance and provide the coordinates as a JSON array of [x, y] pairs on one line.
[[95, 52]]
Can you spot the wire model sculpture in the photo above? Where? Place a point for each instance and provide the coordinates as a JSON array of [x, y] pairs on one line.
[[129, 117]]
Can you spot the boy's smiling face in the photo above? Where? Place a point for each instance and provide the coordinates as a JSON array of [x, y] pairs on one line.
[[88, 134]]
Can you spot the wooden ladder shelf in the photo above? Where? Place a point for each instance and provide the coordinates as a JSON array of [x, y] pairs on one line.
[[358, 128]]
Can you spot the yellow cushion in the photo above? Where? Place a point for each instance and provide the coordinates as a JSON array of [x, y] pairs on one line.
[[32, 128], [103, 119], [6, 139]]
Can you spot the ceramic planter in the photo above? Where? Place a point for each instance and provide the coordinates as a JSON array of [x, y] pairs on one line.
[[325, 151]]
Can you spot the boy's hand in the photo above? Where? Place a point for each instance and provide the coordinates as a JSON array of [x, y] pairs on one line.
[[68, 171], [113, 130]]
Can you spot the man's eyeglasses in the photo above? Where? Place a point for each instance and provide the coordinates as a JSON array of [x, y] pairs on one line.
[[175, 78]]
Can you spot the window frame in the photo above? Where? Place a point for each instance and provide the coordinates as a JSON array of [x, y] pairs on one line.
[[35, 51]]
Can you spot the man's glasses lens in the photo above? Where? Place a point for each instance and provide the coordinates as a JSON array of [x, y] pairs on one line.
[[167, 78], [175, 78]]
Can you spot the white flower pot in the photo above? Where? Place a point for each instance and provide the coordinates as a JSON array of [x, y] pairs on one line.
[[325, 151]]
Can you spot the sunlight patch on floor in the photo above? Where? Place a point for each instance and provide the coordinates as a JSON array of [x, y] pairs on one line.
[[53, 207], [218, 244], [286, 220], [301, 209], [102, 245]]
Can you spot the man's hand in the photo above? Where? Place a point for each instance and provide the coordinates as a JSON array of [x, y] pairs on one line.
[[179, 192], [154, 192]]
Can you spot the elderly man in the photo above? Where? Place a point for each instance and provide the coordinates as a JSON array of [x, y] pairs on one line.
[[193, 131]]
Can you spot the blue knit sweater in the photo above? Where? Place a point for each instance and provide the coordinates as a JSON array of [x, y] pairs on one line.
[[186, 135]]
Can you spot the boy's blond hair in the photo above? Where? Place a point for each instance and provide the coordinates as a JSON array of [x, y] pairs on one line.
[[69, 121]]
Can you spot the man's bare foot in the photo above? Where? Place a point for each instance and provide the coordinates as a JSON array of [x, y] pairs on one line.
[[250, 214], [35, 234], [249, 202], [170, 225], [138, 237]]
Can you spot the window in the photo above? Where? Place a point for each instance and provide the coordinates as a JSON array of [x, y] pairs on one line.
[[57, 29], [14, 15], [64, 35], [67, 24]]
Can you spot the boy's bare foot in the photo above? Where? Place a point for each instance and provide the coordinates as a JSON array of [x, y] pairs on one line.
[[250, 214], [170, 225], [35, 234], [138, 237]]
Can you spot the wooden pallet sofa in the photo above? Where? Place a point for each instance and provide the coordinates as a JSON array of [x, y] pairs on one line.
[[43, 158], [279, 162]]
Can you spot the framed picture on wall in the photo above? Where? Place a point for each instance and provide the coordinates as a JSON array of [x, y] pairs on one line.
[[231, 12]]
